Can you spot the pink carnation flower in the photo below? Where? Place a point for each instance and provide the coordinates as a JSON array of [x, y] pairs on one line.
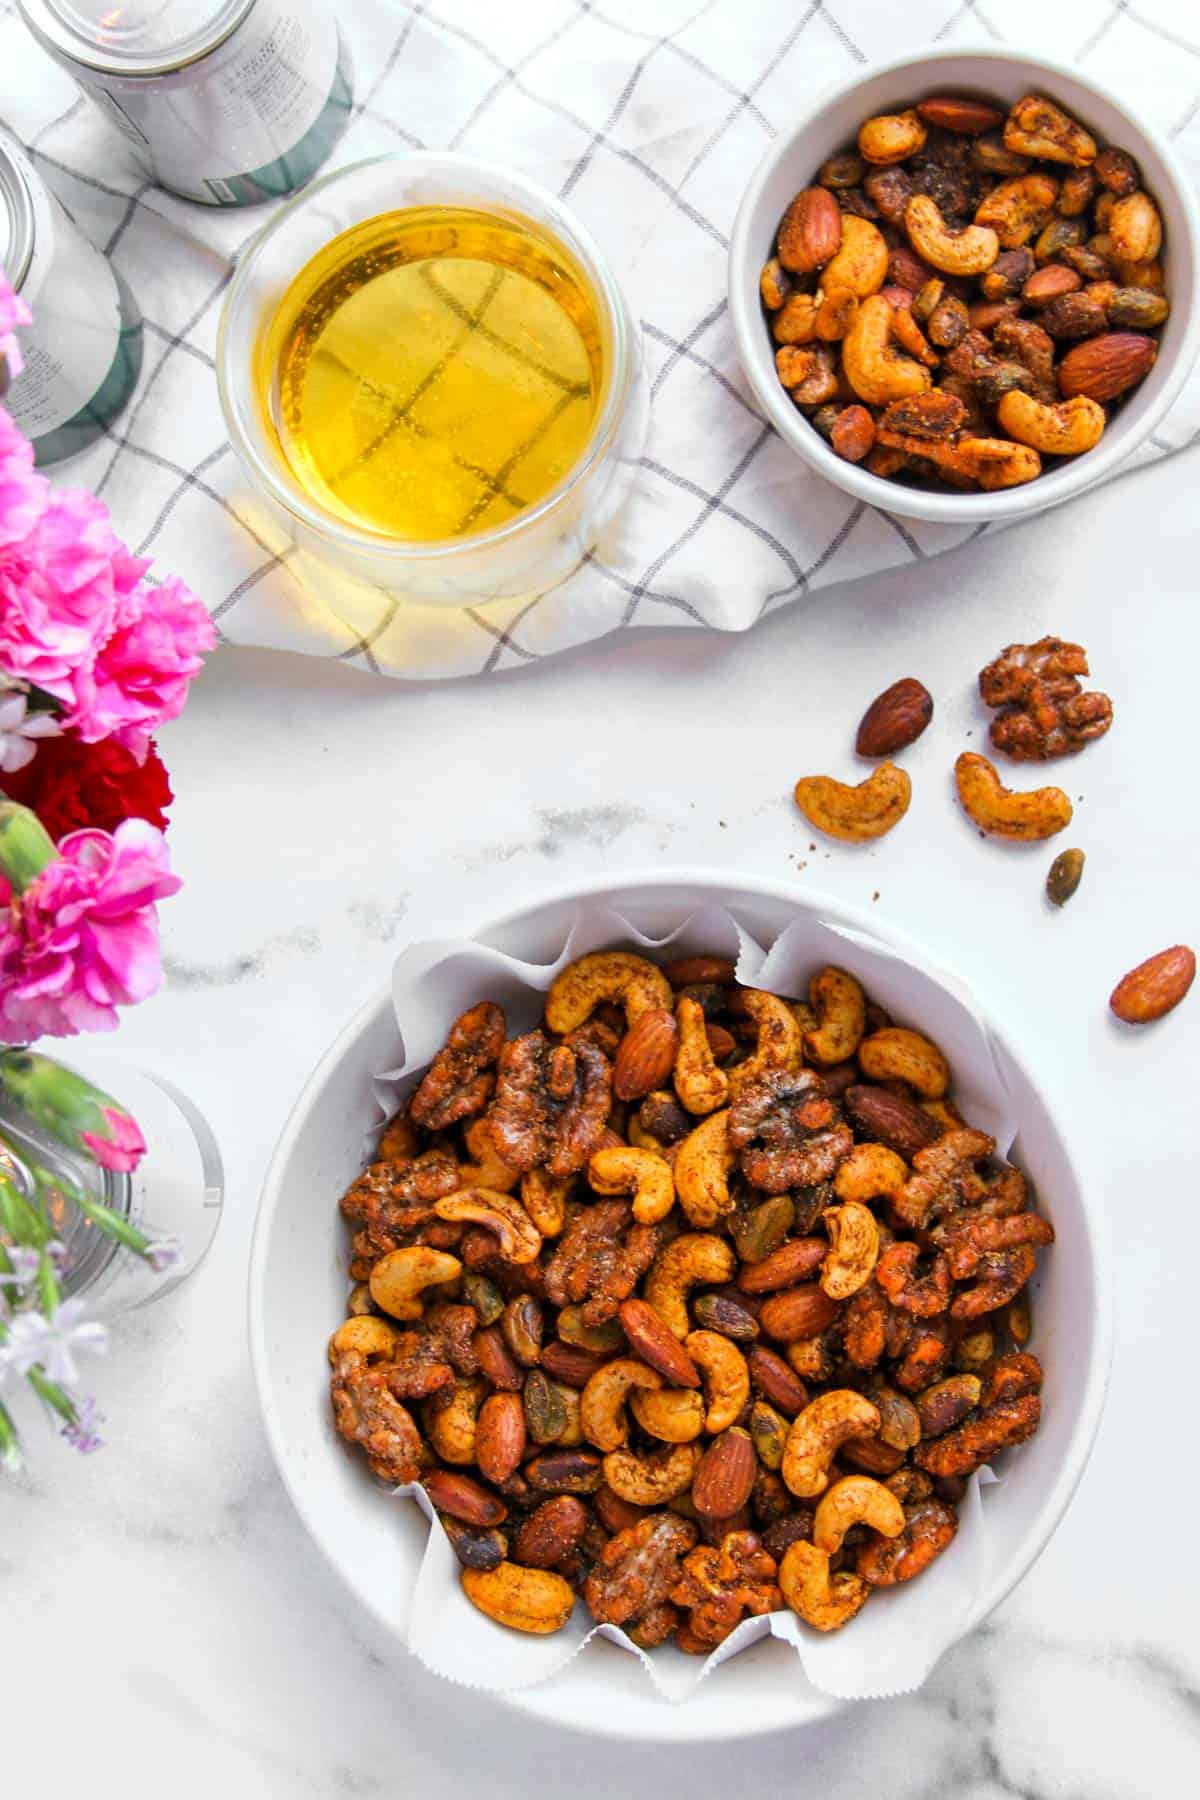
[[141, 674], [83, 937], [122, 1146], [13, 312]]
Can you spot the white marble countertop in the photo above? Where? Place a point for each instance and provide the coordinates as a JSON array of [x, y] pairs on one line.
[[168, 1626]]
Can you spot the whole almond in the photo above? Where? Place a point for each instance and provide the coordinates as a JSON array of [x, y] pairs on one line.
[[776, 1380], [499, 1440], [887, 1118], [971, 117], [1155, 986], [811, 231], [646, 1054], [1105, 366], [895, 719], [853, 435], [725, 1478], [1050, 283], [551, 1532], [463, 1498], [616, 1514], [656, 1344], [496, 1360], [571, 1363], [722, 1043], [686, 971], [798, 1312], [792, 1262]]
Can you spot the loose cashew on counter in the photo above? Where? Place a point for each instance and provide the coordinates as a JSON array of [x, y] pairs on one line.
[[853, 1249], [870, 1172], [841, 1010], [823, 1601], [653, 1479], [1067, 429], [702, 1166], [874, 370], [896, 1054], [602, 1408], [621, 1169], [819, 1432], [629, 981], [701, 1086], [506, 1218], [780, 1040], [1023, 817], [688, 1261], [855, 1500], [967, 252], [856, 814], [398, 1279], [725, 1375]]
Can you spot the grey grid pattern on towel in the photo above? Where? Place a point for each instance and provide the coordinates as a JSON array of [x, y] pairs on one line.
[[648, 117]]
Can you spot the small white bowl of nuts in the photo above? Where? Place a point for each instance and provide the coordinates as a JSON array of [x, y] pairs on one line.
[[965, 287]]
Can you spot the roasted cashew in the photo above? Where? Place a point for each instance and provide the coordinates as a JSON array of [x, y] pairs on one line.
[[1023, 817], [533, 1600], [506, 1218], [616, 975], [1036, 127], [702, 1165], [780, 1040], [1017, 210], [1063, 430], [890, 137], [856, 814], [602, 1408], [1135, 229], [686, 1262], [870, 1172], [544, 1198], [674, 1415], [623, 1169], [860, 266], [653, 1479], [896, 1054], [450, 1424], [853, 1249], [701, 1086], [966, 252], [367, 1336], [855, 1500], [818, 1433], [841, 1010], [873, 369], [994, 463], [725, 1375], [488, 1170], [823, 1601], [397, 1279]]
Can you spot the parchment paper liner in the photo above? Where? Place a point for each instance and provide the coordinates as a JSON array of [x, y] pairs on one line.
[[896, 1640]]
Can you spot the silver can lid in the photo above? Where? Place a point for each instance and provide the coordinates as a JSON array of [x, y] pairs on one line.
[[142, 37], [16, 213]]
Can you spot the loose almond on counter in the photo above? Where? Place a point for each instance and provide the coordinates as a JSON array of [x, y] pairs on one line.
[[895, 719], [1155, 987]]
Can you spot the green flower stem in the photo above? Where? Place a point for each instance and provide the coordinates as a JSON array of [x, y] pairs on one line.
[[55, 1397], [95, 1211], [25, 846], [23, 1223], [10, 1444]]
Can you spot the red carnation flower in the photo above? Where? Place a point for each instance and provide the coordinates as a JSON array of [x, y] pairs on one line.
[[71, 786]]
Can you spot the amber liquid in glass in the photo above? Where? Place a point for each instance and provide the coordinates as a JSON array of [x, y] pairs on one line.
[[433, 372]]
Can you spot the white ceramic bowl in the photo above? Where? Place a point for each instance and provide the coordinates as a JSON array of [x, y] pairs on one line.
[[833, 122], [298, 1292]]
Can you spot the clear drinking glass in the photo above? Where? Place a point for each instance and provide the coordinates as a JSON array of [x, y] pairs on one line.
[[541, 545]]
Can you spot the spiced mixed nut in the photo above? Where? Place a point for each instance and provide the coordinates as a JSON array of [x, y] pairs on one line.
[[967, 291], [696, 1302]]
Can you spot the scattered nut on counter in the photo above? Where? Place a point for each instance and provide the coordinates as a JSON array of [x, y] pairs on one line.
[[1065, 874], [965, 295], [1003, 812], [895, 719], [1155, 987], [855, 814], [1042, 710], [726, 1335]]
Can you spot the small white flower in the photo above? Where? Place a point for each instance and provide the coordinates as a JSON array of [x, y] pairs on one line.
[[164, 1255], [19, 731], [33, 1338], [24, 1263]]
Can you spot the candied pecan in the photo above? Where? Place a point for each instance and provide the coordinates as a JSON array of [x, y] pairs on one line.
[[367, 1412], [864, 1326], [928, 1528], [1023, 341], [451, 1328], [973, 1443], [655, 1626], [1045, 710], [944, 1176], [418, 1366], [944, 169], [599, 1258], [552, 1102], [964, 1238], [922, 1296], [926, 1354], [722, 1585], [935, 414], [790, 1134], [1001, 1274], [891, 190], [396, 1197], [461, 1076], [638, 1568], [1011, 1377]]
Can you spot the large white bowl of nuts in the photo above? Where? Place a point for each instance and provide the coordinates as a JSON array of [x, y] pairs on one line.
[[965, 287], [860, 1249]]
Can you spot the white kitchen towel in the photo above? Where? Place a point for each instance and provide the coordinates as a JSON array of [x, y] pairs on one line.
[[648, 117]]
